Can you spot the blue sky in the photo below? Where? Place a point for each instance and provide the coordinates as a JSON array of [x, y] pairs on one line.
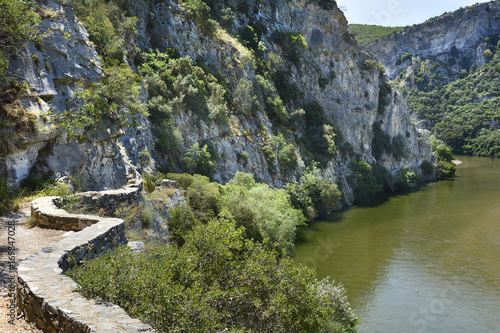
[[398, 12]]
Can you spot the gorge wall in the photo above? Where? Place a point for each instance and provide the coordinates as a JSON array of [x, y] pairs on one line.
[[333, 72], [455, 38]]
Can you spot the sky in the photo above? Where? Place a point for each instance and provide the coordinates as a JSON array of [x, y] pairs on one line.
[[398, 12]]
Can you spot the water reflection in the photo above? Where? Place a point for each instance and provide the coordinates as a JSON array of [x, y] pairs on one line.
[[427, 261]]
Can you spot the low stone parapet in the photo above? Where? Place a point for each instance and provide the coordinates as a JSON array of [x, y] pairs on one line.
[[48, 297]]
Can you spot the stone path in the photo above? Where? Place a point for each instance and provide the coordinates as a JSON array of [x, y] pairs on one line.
[[27, 242]]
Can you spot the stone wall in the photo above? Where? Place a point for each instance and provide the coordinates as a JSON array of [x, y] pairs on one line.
[[48, 297], [48, 215]]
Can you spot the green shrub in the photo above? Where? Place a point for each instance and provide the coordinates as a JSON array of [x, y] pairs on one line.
[[292, 44], [313, 195], [445, 169], [405, 179], [427, 168], [116, 98], [18, 25], [364, 181], [218, 281], [204, 197], [109, 24], [322, 136], [199, 160], [6, 196], [185, 180], [199, 12]]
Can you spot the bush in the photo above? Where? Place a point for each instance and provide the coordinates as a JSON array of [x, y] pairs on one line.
[[109, 25], [427, 168], [116, 98], [292, 43], [6, 196], [18, 24], [199, 160], [314, 196], [205, 198], [322, 136], [217, 281], [364, 181], [265, 213], [445, 169], [199, 12]]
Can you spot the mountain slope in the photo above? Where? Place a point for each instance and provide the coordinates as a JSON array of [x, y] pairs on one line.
[[447, 69]]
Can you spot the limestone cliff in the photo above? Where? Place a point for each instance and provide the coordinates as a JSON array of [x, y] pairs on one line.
[[333, 71], [456, 39]]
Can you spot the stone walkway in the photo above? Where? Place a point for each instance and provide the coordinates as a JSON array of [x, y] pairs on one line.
[[27, 241]]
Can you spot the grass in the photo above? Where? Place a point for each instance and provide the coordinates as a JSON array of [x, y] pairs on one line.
[[368, 34]]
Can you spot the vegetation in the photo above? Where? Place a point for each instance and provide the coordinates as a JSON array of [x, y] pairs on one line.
[[217, 280], [445, 167], [176, 84], [116, 98], [322, 136], [110, 25], [383, 143], [464, 112], [18, 24], [368, 180], [313, 195], [368, 34]]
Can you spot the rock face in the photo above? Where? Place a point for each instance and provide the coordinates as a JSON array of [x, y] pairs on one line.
[[464, 29], [52, 67], [349, 92], [350, 96]]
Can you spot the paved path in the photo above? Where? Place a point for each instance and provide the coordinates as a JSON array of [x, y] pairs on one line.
[[27, 241]]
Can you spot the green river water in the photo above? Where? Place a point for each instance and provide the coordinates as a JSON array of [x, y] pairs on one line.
[[426, 261]]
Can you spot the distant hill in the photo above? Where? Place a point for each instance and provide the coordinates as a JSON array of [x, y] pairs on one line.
[[367, 34]]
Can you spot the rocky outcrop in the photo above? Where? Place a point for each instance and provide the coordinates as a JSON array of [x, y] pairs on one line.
[[53, 66], [464, 29]]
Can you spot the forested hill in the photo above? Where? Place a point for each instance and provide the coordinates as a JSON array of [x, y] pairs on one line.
[[447, 69]]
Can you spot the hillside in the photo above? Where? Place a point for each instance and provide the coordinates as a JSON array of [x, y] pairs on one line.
[[368, 34], [447, 70]]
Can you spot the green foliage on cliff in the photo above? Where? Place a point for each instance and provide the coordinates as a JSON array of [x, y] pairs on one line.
[[313, 195], [383, 143], [176, 84], [109, 24], [18, 25], [217, 281], [266, 213], [115, 98], [463, 113], [445, 167], [322, 137], [367, 34], [369, 179]]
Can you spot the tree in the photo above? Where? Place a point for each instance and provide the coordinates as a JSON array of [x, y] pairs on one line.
[[18, 24]]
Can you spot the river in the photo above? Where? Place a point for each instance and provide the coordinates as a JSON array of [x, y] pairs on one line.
[[425, 261]]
